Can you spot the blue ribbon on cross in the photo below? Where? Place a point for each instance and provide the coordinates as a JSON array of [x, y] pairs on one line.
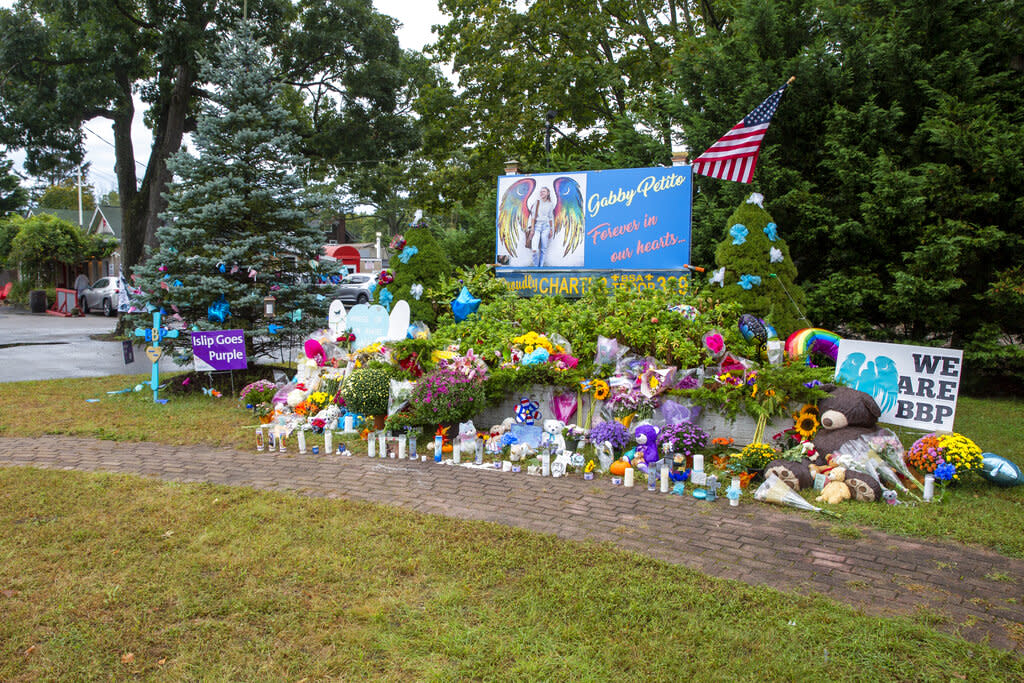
[[154, 336]]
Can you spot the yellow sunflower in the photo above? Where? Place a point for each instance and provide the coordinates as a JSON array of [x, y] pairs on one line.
[[601, 390], [806, 424]]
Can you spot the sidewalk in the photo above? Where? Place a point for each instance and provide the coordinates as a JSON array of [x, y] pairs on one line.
[[757, 544]]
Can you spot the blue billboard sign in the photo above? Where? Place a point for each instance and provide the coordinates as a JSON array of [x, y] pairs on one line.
[[626, 223]]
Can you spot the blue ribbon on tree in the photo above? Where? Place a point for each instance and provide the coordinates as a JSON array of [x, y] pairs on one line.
[[385, 298], [772, 231], [407, 254], [749, 281], [739, 233]]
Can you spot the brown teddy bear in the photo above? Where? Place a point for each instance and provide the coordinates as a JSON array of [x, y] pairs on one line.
[[845, 414]]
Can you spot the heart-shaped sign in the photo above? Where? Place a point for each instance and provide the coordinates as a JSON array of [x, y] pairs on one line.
[[368, 323], [153, 353], [398, 328]]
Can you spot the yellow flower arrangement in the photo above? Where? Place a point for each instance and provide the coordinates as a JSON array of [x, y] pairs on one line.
[[532, 340]]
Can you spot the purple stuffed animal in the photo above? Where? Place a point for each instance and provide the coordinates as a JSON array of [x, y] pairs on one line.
[[647, 443]]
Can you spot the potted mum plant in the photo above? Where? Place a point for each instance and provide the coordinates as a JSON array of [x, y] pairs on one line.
[[446, 396], [366, 392]]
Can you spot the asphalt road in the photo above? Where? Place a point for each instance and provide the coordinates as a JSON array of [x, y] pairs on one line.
[[40, 346]]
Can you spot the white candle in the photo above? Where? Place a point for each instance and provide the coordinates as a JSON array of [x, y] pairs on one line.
[[545, 464], [456, 450], [664, 479], [301, 438], [929, 488], [280, 443], [401, 447], [328, 442], [629, 476], [506, 465], [371, 446], [348, 424], [259, 439], [698, 462], [382, 446]]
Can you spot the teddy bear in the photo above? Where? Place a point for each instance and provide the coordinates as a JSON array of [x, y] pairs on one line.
[[552, 436], [836, 490], [647, 443], [845, 414]]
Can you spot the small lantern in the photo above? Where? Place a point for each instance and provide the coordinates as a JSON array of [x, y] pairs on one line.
[[512, 167], [680, 157], [269, 306]]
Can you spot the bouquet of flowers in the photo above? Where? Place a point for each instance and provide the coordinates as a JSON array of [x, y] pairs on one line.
[[683, 438], [470, 365], [631, 402], [932, 451]]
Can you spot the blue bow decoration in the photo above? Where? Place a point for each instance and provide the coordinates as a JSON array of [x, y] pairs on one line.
[[219, 311], [772, 231], [749, 281], [176, 283], [464, 305], [739, 233], [386, 298], [407, 254], [416, 290], [274, 329], [296, 315]]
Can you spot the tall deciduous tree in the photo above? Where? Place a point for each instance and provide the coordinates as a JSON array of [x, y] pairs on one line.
[[64, 64], [237, 224], [13, 197]]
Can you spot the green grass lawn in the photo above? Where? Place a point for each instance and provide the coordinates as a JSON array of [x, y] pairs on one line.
[[110, 576]]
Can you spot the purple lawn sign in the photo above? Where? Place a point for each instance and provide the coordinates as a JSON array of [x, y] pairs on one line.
[[219, 350]]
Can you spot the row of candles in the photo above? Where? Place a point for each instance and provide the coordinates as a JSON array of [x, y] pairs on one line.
[[406, 448]]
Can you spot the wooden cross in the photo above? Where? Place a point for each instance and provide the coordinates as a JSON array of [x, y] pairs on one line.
[[155, 335]]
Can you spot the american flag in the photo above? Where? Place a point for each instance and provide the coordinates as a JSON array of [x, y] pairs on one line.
[[734, 156]]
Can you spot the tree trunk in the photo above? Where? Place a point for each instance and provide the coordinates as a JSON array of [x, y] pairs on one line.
[[141, 214]]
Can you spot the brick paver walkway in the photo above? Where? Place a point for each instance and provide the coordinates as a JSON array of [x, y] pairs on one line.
[[755, 543]]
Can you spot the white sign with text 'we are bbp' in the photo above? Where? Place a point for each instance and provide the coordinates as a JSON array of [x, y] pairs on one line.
[[915, 386]]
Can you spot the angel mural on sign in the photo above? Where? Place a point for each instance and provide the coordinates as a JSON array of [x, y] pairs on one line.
[[541, 225]]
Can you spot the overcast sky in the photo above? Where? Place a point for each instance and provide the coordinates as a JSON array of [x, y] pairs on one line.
[[416, 18]]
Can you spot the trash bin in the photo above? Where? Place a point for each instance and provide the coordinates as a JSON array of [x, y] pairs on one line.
[[37, 301]]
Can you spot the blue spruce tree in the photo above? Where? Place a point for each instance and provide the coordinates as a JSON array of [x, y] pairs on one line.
[[237, 226]]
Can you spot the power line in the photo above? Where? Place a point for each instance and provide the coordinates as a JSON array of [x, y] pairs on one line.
[[111, 144]]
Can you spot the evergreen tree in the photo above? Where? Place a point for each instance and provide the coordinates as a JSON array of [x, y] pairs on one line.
[[237, 224], [774, 297], [13, 197], [425, 267]]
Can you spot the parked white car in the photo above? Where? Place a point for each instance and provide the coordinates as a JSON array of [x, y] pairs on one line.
[[101, 296]]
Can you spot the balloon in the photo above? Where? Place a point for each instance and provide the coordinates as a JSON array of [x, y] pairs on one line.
[[464, 305], [813, 340], [1000, 471], [314, 349]]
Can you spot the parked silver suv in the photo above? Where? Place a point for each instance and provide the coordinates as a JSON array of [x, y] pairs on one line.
[[101, 296]]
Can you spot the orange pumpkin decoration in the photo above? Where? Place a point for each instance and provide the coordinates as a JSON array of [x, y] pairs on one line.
[[618, 468]]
